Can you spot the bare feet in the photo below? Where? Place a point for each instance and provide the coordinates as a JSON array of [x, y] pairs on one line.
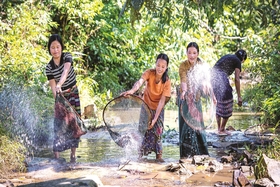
[[224, 133], [159, 158], [73, 159], [56, 154]]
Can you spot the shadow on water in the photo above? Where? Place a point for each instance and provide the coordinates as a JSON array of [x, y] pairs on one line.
[[98, 147]]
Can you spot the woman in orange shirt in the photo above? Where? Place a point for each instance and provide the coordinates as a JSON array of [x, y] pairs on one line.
[[156, 94]]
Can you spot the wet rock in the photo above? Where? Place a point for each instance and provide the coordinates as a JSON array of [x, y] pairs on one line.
[[230, 128], [90, 111], [186, 172], [180, 168], [264, 182], [186, 160], [246, 169], [200, 159], [222, 184], [173, 167], [268, 168], [248, 156], [239, 179], [226, 159], [214, 166], [243, 181], [88, 181], [7, 183]]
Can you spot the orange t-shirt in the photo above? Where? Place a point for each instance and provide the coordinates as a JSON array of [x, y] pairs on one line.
[[153, 91]]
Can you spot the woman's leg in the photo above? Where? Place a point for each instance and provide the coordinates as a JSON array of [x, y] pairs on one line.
[[73, 154], [159, 158], [223, 126], [56, 154], [218, 119]]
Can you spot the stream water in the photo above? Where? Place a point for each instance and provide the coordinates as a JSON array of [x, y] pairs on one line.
[[98, 147]]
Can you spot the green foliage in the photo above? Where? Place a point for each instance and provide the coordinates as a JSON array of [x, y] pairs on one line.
[[272, 151], [75, 21], [263, 70], [21, 55], [260, 169], [222, 14], [119, 52], [12, 155]]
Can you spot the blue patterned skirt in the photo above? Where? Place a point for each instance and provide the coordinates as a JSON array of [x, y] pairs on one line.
[[223, 93], [152, 139]]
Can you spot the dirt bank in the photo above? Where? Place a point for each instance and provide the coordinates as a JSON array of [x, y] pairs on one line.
[[45, 172]]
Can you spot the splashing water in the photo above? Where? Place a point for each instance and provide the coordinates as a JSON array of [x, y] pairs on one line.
[[200, 84], [25, 117], [131, 149]]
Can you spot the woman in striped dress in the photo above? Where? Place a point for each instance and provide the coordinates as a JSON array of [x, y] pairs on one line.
[[62, 79]]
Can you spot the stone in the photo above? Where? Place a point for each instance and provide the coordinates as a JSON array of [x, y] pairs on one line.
[[226, 159], [273, 169], [264, 182]]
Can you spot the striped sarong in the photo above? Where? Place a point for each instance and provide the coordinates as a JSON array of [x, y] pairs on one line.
[[223, 93]]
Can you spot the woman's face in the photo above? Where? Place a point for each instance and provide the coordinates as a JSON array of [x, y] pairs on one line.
[[161, 66], [192, 54], [55, 49]]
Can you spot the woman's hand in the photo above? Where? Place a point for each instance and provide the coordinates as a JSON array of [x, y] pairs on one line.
[[214, 99], [239, 101], [58, 88], [182, 95], [125, 94], [151, 125]]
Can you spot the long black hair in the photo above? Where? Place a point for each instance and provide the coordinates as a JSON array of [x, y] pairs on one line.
[[193, 44], [165, 74], [241, 54], [55, 37]]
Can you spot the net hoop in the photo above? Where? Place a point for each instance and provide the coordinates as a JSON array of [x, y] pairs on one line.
[[121, 138], [193, 118]]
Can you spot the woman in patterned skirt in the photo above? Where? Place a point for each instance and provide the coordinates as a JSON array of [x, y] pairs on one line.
[[156, 94], [194, 83], [62, 80], [224, 67]]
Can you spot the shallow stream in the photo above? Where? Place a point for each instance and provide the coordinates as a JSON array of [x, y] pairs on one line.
[[98, 147]]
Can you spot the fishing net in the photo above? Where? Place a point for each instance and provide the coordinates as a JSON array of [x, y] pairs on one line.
[[193, 114], [127, 119], [198, 109], [68, 122]]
